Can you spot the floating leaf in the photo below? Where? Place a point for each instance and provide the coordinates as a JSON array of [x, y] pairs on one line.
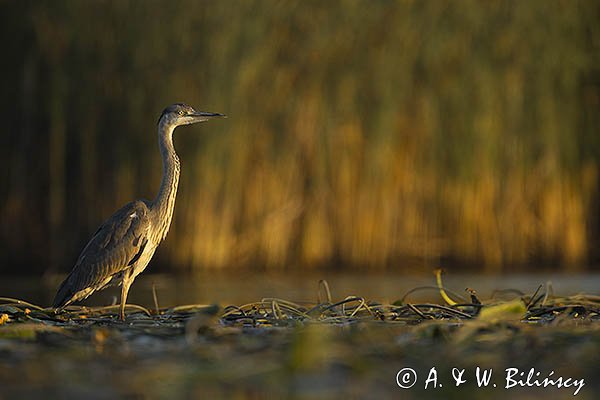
[[510, 311]]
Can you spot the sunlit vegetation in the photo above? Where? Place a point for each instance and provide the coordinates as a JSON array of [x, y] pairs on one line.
[[359, 133]]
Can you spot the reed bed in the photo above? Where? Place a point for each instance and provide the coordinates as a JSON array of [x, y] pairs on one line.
[[466, 134]]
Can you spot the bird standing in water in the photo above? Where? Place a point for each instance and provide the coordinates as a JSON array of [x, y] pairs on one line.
[[124, 245]]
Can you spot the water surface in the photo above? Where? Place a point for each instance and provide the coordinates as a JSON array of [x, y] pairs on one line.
[[226, 288]]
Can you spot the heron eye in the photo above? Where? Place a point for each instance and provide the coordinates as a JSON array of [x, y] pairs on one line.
[[180, 112]]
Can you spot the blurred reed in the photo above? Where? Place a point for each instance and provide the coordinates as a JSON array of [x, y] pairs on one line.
[[360, 134]]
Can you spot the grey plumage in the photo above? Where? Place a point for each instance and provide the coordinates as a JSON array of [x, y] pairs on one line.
[[124, 245]]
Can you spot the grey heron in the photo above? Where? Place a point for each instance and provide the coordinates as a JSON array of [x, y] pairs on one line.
[[124, 244]]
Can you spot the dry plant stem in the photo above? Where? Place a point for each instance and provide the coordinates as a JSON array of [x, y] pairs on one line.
[[188, 307], [531, 302], [444, 308], [549, 292], [323, 284], [118, 306], [18, 302], [436, 288], [155, 297], [417, 311]]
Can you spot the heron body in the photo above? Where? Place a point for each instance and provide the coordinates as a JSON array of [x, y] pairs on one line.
[[124, 244]]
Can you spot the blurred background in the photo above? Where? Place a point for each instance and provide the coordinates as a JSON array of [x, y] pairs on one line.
[[362, 135]]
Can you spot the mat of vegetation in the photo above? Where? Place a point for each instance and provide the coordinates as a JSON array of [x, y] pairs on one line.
[[281, 349]]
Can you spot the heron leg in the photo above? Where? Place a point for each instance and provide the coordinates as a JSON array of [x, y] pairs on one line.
[[127, 281]]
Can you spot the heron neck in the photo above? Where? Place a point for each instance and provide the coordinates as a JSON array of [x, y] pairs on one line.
[[164, 203]]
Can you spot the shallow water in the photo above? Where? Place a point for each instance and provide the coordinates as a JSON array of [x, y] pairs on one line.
[[247, 286]]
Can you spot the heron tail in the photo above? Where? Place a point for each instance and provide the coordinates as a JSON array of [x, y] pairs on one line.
[[64, 295]]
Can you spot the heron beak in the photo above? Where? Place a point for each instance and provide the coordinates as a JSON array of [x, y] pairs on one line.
[[200, 116]]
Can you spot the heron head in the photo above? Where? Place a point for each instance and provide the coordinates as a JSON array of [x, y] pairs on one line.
[[182, 114]]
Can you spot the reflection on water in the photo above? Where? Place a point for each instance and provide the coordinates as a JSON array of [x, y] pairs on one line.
[[247, 286]]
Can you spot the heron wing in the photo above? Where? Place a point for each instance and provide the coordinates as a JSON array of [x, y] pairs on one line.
[[116, 245]]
